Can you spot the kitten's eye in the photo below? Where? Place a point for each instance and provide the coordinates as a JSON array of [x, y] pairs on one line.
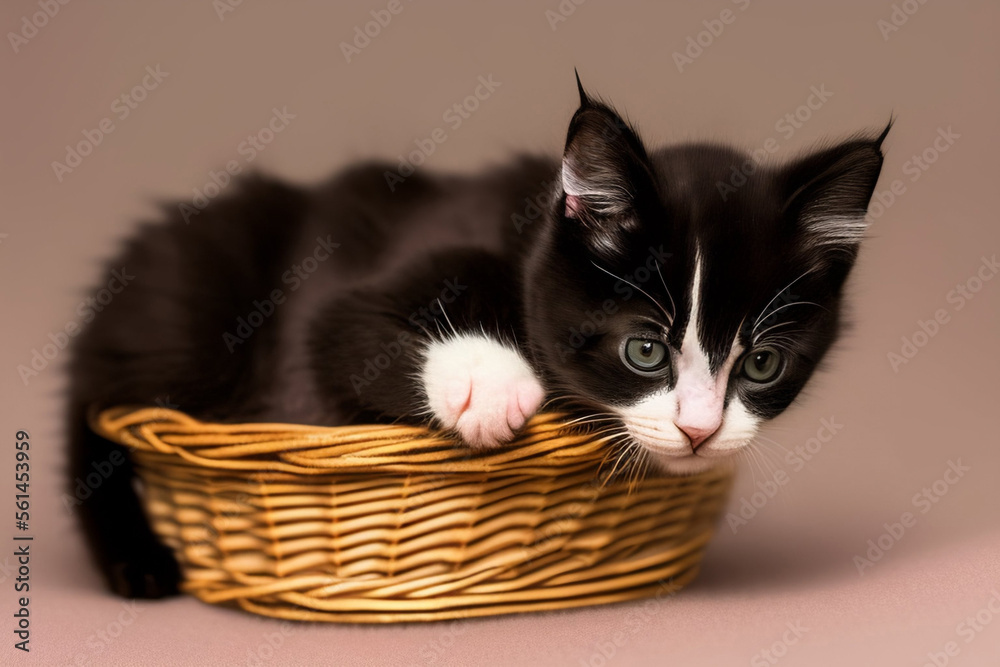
[[762, 364], [645, 355]]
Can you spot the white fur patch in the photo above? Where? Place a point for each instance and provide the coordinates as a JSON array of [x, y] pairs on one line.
[[739, 426], [479, 387], [839, 231], [699, 395], [669, 423]]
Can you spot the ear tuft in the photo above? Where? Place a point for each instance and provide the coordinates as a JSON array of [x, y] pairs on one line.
[[828, 194], [878, 140], [584, 100], [594, 190]]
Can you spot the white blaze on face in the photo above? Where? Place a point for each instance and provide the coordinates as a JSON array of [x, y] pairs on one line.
[[698, 392], [688, 426]]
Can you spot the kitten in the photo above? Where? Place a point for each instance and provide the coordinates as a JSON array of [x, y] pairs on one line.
[[625, 282]]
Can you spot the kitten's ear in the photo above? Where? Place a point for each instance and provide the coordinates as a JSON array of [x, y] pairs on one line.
[[605, 171], [827, 195]]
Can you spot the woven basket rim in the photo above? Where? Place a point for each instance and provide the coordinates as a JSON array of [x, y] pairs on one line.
[[548, 446]]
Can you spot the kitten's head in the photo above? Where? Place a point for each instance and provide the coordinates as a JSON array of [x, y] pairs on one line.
[[681, 295]]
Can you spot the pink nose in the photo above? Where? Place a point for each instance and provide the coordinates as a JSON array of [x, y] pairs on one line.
[[699, 409], [697, 434]]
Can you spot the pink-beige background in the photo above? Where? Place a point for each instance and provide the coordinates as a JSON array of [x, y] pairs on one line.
[[794, 561]]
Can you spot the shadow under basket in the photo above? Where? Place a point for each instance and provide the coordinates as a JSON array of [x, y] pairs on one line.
[[381, 524]]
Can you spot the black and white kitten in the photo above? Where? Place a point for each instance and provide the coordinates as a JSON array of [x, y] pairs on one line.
[[622, 281]]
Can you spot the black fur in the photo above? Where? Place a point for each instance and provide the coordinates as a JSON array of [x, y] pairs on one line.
[[495, 252]]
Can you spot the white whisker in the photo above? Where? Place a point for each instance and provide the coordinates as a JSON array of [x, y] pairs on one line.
[[673, 306], [788, 305], [670, 319], [758, 336], [780, 292], [445, 313]]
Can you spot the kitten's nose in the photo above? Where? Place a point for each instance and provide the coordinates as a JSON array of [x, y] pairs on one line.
[[699, 420], [700, 403], [697, 434]]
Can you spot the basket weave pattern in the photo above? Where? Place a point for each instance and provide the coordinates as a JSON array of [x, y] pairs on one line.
[[377, 523]]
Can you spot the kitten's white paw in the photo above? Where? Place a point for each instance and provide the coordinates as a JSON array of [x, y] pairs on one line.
[[482, 389]]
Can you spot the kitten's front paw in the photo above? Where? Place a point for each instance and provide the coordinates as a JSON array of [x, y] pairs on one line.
[[482, 389]]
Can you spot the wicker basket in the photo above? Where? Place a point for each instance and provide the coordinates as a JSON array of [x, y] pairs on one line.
[[378, 524]]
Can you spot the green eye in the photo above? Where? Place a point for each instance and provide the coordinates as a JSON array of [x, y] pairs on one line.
[[762, 364], [645, 355]]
